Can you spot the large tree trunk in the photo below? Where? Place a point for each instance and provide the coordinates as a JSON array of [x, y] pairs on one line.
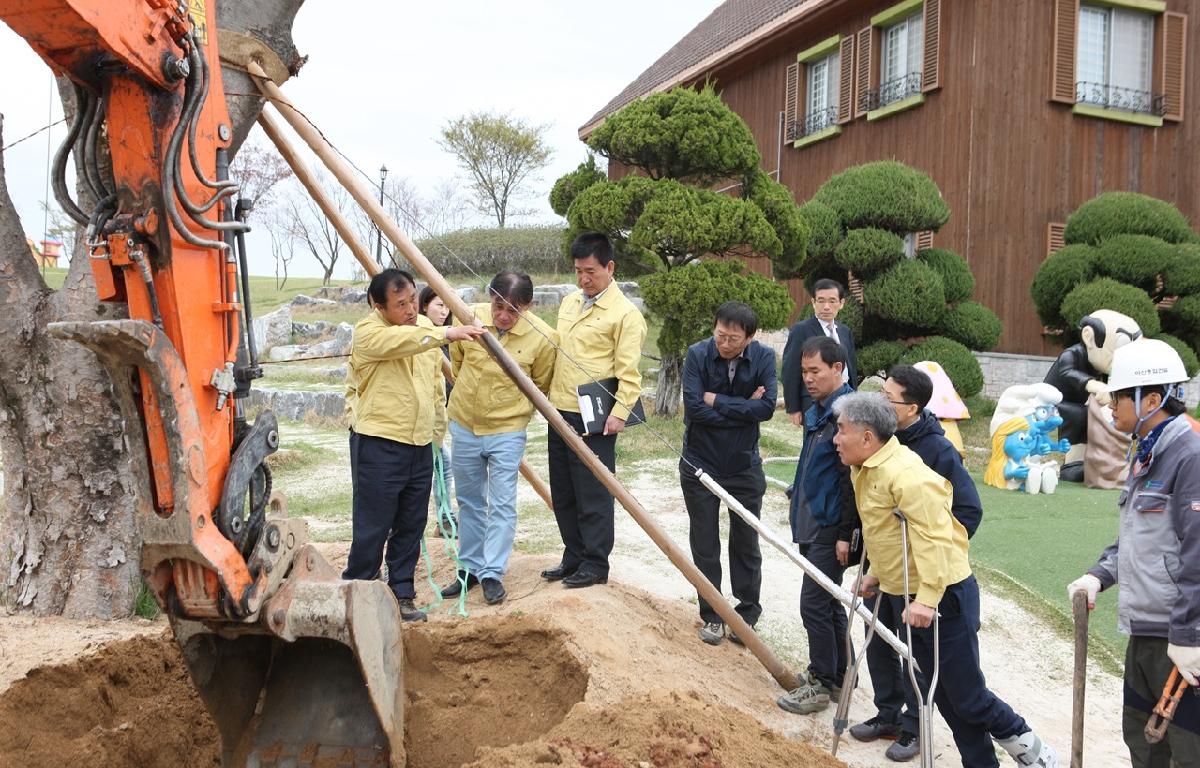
[[670, 381], [69, 539]]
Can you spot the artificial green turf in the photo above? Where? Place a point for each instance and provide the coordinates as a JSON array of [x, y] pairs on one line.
[[1042, 543]]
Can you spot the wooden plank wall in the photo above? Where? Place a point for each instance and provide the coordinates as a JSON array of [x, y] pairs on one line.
[[1008, 161]]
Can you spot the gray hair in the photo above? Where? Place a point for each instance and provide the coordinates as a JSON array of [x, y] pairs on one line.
[[869, 410]]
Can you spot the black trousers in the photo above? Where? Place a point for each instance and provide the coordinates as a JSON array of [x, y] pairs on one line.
[[583, 507], [894, 695], [704, 535], [392, 482], [823, 616]]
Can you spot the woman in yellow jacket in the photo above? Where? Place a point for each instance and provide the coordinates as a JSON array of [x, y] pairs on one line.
[[488, 418]]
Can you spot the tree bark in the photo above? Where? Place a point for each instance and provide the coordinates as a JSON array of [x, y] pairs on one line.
[[69, 538], [670, 386]]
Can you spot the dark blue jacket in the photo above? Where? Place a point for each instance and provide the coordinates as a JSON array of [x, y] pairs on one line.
[[822, 495], [723, 438], [926, 438]]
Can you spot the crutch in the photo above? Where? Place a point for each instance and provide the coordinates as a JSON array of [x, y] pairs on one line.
[[924, 700], [842, 717]]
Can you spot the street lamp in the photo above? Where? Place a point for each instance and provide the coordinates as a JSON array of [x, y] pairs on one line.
[[378, 231]]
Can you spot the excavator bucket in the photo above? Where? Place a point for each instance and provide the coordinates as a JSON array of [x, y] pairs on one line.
[[317, 683]]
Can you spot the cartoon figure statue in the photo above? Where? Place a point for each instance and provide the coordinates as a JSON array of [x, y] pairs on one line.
[[1081, 370], [945, 403], [1025, 416]]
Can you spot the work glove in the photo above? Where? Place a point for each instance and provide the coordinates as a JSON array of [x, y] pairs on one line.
[[1187, 659], [1085, 583]]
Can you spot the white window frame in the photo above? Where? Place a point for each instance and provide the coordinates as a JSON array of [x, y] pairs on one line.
[[822, 78], [905, 42], [1100, 85]]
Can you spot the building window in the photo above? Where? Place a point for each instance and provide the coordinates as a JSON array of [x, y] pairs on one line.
[[821, 94], [1114, 62], [902, 53]]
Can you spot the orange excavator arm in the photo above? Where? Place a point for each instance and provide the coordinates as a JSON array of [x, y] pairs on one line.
[[290, 660]]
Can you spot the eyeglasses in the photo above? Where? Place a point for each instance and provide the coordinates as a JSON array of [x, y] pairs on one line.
[[900, 402]]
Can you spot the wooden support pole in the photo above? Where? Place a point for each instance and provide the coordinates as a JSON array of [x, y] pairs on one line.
[[680, 559], [346, 232]]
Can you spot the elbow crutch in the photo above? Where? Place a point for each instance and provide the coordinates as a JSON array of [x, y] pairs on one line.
[[924, 700], [842, 717]]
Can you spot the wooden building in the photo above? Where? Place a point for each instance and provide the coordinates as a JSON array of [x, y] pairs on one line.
[[1020, 110]]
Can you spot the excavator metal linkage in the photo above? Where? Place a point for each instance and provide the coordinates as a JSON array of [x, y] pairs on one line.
[[296, 666]]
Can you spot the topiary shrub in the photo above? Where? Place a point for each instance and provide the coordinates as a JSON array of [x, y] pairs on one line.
[[1106, 293], [1134, 259], [910, 293], [960, 365], [568, 187], [1186, 314], [957, 280], [1059, 275], [826, 229], [781, 212], [876, 359], [1127, 213], [1182, 274], [972, 324], [885, 195], [1190, 362], [866, 252]]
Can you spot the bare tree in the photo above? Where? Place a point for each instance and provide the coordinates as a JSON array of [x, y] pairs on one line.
[[404, 204], [62, 228], [500, 154], [312, 231], [69, 529], [447, 210], [283, 250], [260, 170]]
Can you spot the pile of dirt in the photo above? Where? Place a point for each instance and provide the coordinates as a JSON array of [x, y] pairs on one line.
[[130, 704], [489, 682], [663, 730]]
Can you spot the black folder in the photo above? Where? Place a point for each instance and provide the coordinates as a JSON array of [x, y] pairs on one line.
[[596, 401]]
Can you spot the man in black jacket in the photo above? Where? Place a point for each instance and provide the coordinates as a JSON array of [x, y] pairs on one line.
[[728, 389], [829, 296], [909, 391]]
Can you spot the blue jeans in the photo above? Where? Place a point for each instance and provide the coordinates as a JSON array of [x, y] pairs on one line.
[[485, 482]]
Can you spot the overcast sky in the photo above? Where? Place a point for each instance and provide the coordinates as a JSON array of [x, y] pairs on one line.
[[381, 81]]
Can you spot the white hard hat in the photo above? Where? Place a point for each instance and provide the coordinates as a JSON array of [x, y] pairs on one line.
[[1145, 363]]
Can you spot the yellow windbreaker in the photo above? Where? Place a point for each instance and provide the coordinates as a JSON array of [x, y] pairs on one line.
[[484, 399], [895, 477], [395, 373], [606, 340]]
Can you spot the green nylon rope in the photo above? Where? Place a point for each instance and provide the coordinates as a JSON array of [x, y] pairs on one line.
[[449, 530]]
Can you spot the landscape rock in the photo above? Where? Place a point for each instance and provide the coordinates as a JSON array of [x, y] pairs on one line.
[[295, 406], [311, 330], [286, 352], [354, 296], [273, 329], [300, 300]]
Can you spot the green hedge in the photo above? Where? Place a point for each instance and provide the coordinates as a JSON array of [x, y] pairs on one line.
[[488, 251], [972, 324], [909, 293], [958, 362], [1127, 213], [1059, 275], [1186, 314], [1190, 362], [886, 195], [1182, 274], [1106, 293], [866, 252], [1134, 259], [877, 358], [957, 280]]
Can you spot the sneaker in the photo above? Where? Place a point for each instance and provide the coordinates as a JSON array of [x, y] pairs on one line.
[[409, 610], [1029, 750], [811, 696], [906, 748], [713, 632], [875, 728]]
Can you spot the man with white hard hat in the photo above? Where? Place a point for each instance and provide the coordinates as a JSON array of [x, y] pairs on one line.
[[1157, 552]]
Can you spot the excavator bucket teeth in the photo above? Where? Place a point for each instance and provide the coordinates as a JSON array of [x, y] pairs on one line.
[[316, 683]]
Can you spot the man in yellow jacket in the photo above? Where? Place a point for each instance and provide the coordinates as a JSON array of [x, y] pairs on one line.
[[488, 419], [399, 412], [600, 337], [893, 483]]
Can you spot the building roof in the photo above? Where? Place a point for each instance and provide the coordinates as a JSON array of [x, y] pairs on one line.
[[732, 26]]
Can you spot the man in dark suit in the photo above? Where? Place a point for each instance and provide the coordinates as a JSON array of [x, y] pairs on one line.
[[828, 299]]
